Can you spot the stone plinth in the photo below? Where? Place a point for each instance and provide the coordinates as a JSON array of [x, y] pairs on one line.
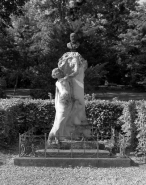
[[73, 162], [73, 153]]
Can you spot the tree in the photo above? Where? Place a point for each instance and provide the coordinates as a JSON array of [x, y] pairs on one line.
[[9, 7], [133, 46], [41, 32]]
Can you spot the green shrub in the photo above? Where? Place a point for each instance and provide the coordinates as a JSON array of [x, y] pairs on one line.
[[103, 115], [21, 115], [127, 120], [141, 126]]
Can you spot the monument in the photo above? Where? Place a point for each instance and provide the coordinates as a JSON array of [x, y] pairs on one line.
[[70, 119], [70, 141]]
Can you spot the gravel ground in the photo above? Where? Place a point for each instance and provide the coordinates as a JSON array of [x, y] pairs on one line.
[[14, 175]]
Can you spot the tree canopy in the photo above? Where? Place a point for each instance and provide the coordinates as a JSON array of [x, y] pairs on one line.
[[36, 33]]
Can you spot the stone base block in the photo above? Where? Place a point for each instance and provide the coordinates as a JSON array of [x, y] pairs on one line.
[[73, 162]]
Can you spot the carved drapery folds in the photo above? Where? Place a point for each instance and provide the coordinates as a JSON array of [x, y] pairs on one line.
[[70, 115]]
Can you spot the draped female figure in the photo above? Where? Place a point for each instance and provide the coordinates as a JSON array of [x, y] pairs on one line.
[[73, 66]]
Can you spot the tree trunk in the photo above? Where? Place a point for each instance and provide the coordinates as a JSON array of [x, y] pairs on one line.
[[15, 87]]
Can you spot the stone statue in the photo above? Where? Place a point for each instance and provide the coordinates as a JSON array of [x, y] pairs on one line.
[[73, 45], [63, 105], [70, 120]]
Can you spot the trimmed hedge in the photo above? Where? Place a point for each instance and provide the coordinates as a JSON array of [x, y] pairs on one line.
[[140, 123], [103, 115], [129, 118], [133, 121], [20, 115]]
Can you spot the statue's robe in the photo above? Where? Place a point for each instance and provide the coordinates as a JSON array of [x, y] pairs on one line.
[[70, 118]]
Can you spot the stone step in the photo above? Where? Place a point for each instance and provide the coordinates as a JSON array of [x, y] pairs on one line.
[[73, 162], [74, 153]]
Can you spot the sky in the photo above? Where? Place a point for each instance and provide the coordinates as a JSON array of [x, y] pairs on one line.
[[142, 1]]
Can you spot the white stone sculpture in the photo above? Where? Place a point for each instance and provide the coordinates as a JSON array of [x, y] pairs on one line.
[[63, 105], [70, 119]]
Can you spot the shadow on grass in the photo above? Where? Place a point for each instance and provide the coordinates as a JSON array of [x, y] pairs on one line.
[[138, 162], [9, 150], [133, 163]]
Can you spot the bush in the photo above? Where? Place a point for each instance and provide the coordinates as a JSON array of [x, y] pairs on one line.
[[127, 120], [90, 97], [21, 115], [103, 115], [140, 122]]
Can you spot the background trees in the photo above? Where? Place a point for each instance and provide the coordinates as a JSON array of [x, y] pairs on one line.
[[35, 33], [133, 46]]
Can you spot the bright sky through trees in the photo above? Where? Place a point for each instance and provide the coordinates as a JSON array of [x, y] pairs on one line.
[[142, 1]]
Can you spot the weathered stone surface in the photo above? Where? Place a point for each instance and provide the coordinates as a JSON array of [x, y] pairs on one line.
[[73, 153], [70, 115], [74, 162]]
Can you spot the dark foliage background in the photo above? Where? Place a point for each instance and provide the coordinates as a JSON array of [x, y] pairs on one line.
[[34, 34]]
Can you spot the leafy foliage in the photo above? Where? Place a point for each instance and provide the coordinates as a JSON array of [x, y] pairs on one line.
[[18, 116], [129, 128], [103, 115], [21, 115], [9, 7], [140, 122], [40, 33], [132, 46], [93, 76]]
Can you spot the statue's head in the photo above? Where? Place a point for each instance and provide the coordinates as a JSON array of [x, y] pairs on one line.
[[73, 37], [57, 73]]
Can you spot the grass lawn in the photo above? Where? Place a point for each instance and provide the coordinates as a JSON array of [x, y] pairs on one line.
[[14, 175]]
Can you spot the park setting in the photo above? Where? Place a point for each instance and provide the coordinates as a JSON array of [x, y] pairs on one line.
[[72, 92]]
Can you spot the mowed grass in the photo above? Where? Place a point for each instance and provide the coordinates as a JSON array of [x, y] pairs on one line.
[[15, 175]]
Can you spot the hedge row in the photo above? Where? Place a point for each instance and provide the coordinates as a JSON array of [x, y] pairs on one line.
[[140, 123], [21, 115], [103, 115], [18, 115]]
